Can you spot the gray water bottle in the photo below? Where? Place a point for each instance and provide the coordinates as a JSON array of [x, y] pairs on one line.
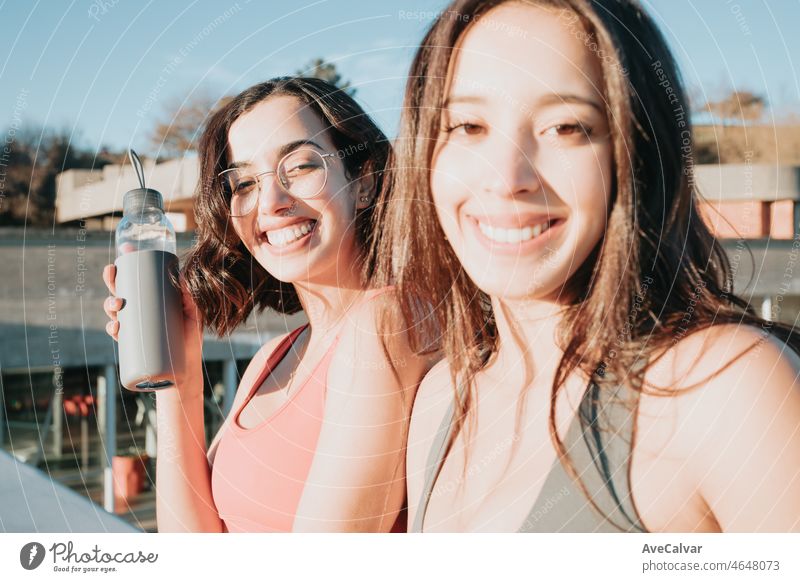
[[151, 319]]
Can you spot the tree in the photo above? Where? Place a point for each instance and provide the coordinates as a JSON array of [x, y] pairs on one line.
[[734, 134], [739, 107], [181, 125], [28, 173], [319, 69]]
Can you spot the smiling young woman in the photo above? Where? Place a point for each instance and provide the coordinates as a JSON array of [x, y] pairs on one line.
[[315, 441], [600, 374]]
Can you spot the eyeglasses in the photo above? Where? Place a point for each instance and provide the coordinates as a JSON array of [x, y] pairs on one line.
[[302, 174]]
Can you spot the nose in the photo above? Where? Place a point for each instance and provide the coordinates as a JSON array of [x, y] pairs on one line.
[[272, 198], [512, 170]]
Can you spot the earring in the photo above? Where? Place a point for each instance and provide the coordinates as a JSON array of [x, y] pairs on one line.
[[365, 199]]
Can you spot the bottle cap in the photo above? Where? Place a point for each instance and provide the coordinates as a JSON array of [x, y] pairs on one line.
[[141, 198]]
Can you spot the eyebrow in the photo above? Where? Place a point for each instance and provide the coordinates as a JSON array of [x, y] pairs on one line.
[[543, 101], [282, 151]]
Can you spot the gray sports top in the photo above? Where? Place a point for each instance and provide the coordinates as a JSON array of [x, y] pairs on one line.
[[598, 443]]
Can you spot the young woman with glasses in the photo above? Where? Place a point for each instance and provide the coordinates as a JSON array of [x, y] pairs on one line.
[[315, 441]]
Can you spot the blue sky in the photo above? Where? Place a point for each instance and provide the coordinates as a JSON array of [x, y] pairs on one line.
[[108, 69]]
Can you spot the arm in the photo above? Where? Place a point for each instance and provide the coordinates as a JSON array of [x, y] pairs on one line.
[[184, 501], [357, 478], [741, 428]]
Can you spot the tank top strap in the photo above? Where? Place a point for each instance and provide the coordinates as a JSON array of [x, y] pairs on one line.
[[433, 466], [435, 460], [276, 356], [607, 416], [280, 351], [598, 445]]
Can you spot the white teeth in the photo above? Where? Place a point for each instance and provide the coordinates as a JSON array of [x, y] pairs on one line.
[[513, 235], [289, 234]]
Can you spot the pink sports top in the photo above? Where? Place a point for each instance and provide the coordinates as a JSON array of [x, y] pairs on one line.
[[258, 474]]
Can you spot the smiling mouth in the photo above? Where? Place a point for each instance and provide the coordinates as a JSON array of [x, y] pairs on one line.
[[285, 236], [515, 235]]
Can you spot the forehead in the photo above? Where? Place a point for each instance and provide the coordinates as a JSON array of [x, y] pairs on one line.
[[524, 50], [259, 134]]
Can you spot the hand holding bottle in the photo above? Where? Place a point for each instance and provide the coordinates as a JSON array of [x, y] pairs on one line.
[[192, 375]]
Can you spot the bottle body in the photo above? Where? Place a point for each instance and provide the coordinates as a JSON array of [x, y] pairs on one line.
[[151, 350]]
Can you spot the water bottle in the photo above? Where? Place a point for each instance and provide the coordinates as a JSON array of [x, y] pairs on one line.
[[151, 319]]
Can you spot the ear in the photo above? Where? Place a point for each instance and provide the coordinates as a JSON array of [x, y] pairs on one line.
[[365, 188]]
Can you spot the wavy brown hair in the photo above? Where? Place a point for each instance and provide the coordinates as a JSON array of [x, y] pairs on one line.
[[224, 280], [613, 321]]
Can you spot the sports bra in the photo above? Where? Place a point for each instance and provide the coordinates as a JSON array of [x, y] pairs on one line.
[[259, 473], [598, 443]]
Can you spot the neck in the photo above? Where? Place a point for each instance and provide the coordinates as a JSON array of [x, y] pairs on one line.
[[527, 348], [325, 302]]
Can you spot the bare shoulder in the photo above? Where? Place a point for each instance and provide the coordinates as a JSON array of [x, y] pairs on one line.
[[256, 365], [709, 378], [374, 342], [711, 351], [715, 356], [721, 428]]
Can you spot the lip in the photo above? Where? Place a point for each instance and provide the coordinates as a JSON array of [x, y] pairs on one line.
[[277, 225], [517, 248], [291, 247]]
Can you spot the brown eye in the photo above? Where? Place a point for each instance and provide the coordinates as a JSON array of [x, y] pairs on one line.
[[465, 128], [568, 129], [244, 186]]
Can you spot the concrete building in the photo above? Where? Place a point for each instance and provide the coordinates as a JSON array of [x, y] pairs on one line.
[[95, 196]]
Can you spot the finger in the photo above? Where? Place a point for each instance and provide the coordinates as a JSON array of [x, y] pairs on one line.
[[109, 278], [111, 305], [112, 329]]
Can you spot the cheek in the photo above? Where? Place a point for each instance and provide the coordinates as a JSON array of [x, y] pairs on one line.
[[446, 205], [244, 231], [595, 199], [583, 182], [449, 189], [336, 212]]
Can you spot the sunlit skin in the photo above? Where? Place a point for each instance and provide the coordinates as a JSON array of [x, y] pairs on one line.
[[524, 139], [327, 257]]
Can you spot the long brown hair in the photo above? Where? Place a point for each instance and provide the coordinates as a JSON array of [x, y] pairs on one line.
[[224, 280], [615, 320]]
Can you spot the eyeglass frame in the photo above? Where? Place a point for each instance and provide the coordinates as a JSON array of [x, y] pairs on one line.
[[275, 171]]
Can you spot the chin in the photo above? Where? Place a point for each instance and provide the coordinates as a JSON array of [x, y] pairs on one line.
[[286, 274], [519, 284]]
